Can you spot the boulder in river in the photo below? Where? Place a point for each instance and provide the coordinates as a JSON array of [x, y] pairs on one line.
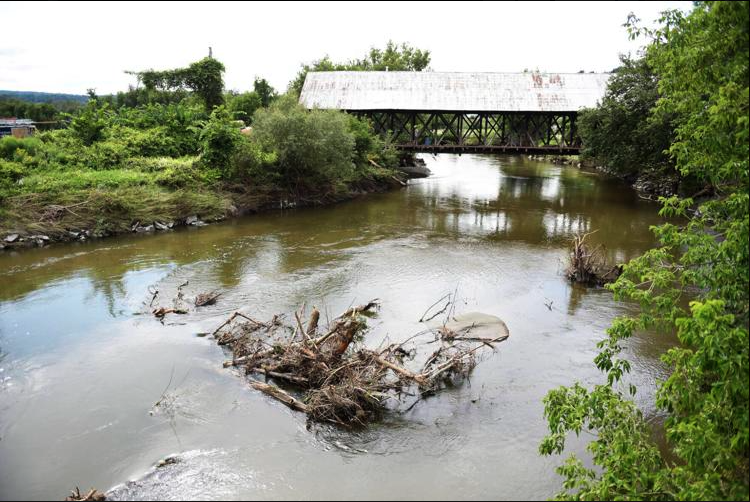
[[472, 326]]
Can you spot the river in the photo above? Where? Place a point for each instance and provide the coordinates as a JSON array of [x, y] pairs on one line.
[[82, 363]]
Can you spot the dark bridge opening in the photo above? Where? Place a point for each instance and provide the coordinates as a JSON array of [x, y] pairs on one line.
[[457, 132]]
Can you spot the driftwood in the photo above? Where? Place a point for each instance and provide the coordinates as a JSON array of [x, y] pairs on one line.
[[163, 311], [203, 299], [336, 381], [280, 395], [93, 495], [588, 265]]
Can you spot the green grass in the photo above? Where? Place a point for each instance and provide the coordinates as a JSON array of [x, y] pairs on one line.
[[63, 181]]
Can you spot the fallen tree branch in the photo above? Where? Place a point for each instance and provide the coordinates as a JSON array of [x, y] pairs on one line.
[[280, 395]]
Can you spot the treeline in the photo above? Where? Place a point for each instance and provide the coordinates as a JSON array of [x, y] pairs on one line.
[[44, 97], [682, 107], [39, 112]]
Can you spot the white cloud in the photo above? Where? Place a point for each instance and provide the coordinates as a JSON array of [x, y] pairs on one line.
[[77, 45]]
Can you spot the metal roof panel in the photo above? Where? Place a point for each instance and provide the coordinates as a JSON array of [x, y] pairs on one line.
[[428, 91]]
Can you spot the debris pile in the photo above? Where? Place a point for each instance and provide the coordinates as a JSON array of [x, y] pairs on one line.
[[333, 378], [179, 305], [588, 265]]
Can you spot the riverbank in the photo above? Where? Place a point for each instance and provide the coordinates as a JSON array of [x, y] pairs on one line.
[[648, 184], [41, 219]]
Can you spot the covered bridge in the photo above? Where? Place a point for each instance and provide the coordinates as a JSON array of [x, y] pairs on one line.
[[461, 112]]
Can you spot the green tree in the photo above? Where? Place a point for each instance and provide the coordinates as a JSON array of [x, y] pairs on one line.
[[623, 132], [265, 91], [203, 77], [702, 63], [244, 105], [393, 57]]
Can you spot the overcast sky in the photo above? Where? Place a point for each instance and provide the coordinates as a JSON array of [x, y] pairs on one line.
[[71, 46]]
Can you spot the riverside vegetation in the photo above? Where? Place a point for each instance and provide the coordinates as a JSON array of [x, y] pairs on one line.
[[170, 150], [684, 105]]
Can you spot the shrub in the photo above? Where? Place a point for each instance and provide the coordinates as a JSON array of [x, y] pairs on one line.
[[219, 139], [104, 155], [152, 142], [311, 147], [251, 163], [368, 145], [158, 164], [244, 105], [89, 125], [9, 145], [10, 174]]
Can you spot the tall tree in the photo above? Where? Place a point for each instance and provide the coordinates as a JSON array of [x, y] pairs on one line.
[[393, 57]]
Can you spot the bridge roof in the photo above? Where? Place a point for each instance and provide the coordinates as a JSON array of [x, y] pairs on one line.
[[467, 92]]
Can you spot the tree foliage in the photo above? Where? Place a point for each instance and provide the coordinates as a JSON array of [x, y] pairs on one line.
[[219, 138], [623, 132], [311, 147], [264, 91], [243, 105], [393, 57], [40, 112], [702, 63], [203, 77]]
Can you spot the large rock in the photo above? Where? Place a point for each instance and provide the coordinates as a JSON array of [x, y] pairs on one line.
[[416, 169], [12, 238]]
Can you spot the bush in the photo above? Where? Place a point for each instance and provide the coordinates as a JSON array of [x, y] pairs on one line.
[[9, 145], [152, 142], [158, 164], [182, 173], [368, 145], [244, 105], [89, 125], [104, 155], [219, 139], [311, 147], [251, 163], [10, 174]]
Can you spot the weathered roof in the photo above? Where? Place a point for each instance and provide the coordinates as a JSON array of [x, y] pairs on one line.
[[403, 90]]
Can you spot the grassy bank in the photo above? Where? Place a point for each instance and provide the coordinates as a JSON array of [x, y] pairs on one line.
[[115, 170], [78, 205]]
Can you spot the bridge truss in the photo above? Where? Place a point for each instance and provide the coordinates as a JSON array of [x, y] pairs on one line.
[[480, 132]]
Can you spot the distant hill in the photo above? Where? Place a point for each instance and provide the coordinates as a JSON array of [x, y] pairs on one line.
[[43, 97]]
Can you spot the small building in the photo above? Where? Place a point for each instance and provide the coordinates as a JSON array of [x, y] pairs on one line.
[[18, 128]]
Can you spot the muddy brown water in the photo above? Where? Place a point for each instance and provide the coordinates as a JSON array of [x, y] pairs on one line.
[[82, 364]]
